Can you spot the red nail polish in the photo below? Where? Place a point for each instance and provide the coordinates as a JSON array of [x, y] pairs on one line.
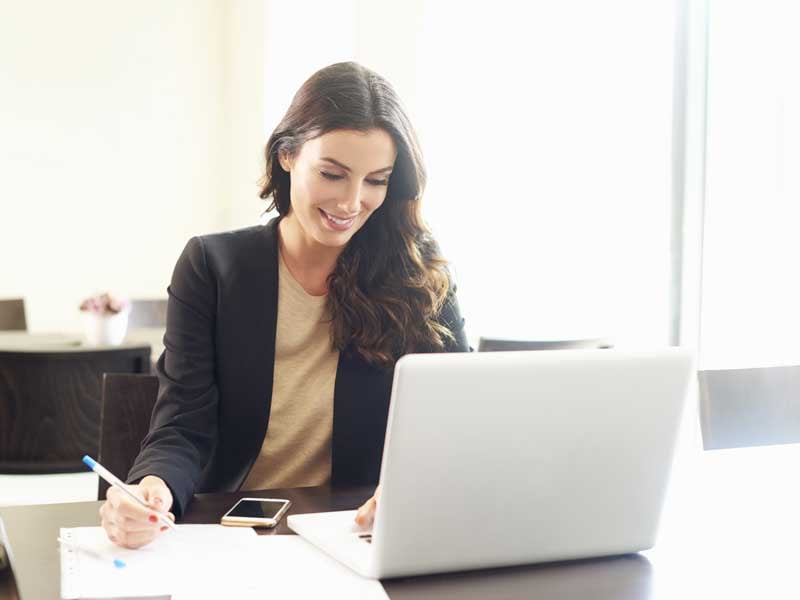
[[153, 519], [164, 528]]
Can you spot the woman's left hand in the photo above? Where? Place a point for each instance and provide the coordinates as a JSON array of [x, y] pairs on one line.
[[366, 514]]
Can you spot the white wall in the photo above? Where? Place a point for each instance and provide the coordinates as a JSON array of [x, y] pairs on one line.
[[244, 88], [127, 127]]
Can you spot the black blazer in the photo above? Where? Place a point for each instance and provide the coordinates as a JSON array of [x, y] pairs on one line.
[[215, 375]]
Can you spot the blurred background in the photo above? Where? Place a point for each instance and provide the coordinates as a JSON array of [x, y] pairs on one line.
[[624, 169]]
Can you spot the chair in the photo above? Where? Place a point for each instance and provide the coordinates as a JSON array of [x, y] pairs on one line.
[[50, 404], [147, 314], [124, 421], [486, 344], [749, 407], [12, 315]]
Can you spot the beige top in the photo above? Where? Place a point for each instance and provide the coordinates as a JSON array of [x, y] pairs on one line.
[[297, 447]]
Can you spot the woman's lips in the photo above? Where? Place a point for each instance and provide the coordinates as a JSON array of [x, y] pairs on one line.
[[336, 223]]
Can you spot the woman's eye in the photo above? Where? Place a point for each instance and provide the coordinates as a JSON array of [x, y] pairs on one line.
[[334, 177]]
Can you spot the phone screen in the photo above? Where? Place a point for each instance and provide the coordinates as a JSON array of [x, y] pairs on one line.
[[259, 509]]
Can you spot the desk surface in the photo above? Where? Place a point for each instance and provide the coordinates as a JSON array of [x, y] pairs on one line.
[[728, 531]]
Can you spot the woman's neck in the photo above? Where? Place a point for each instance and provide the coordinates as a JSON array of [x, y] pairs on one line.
[[308, 261]]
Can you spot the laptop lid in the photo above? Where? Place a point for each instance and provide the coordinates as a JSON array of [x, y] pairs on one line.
[[503, 458]]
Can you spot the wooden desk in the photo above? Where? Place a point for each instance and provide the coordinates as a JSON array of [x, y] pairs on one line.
[[729, 531]]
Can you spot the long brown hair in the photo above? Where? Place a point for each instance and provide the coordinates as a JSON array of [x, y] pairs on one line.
[[390, 283]]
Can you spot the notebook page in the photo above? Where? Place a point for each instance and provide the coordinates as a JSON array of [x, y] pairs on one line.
[[206, 562], [93, 567]]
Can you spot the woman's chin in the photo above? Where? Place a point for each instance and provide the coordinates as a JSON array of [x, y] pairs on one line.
[[333, 239]]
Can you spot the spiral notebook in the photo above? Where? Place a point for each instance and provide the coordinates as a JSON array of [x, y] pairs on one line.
[[204, 561]]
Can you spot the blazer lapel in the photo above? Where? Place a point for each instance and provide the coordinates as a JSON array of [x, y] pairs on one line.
[[257, 315], [360, 411]]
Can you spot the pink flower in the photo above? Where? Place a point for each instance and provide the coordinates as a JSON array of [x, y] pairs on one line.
[[104, 304]]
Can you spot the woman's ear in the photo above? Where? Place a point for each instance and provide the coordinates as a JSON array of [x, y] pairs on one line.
[[285, 161]]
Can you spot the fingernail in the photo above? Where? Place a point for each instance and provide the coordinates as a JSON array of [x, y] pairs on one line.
[[153, 519], [164, 528], [158, 501]]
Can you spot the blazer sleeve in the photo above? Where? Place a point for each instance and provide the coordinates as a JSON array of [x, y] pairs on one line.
[[183, 427]]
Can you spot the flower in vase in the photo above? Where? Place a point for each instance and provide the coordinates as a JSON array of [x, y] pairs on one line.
[[104, 304]]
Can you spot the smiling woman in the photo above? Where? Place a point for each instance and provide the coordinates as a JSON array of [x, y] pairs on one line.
[[345, 151], [282, 338], [331, 201]]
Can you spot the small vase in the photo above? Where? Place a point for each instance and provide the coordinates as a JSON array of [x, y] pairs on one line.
[[105, 329]]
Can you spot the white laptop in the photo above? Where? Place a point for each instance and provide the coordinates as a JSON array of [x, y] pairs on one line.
[[506, 458]]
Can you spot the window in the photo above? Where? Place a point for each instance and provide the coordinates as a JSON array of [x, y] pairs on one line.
[[751, 288]]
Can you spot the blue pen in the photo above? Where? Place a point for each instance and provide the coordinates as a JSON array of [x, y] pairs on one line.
[[112, 480], [120, 564]]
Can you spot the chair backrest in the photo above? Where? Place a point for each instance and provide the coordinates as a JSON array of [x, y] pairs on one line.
[[749, 407], [50, 404], [487, 344], [12, 315], [148, 313], [125, 419]]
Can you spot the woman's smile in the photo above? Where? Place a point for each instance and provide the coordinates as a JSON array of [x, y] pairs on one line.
[[337, 223]]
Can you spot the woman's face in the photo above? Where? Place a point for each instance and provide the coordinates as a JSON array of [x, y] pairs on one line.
[[337, 181]]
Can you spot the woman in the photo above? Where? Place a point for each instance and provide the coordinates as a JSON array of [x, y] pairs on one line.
[[281, 339]]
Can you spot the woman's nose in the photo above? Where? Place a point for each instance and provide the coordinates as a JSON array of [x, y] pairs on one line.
[[350, 203]]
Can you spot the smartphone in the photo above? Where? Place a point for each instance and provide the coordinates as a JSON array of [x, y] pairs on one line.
[[256, 512]]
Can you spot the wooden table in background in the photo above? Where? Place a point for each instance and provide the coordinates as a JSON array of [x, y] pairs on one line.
[[66, 342]]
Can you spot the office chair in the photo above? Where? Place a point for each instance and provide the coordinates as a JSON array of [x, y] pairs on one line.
[[50, 404], [128, 402], [148, 314], [12, 315], [486, 344], [749, 407]]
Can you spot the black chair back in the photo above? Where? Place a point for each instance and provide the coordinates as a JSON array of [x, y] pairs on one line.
[[50, 405], [125, 420], [12, 315], [749, 407], [487, 344]]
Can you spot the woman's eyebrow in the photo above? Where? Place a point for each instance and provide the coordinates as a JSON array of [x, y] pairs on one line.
[[346, 168]]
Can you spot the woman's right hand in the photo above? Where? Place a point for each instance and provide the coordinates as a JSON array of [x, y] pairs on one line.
[[129, 524]]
